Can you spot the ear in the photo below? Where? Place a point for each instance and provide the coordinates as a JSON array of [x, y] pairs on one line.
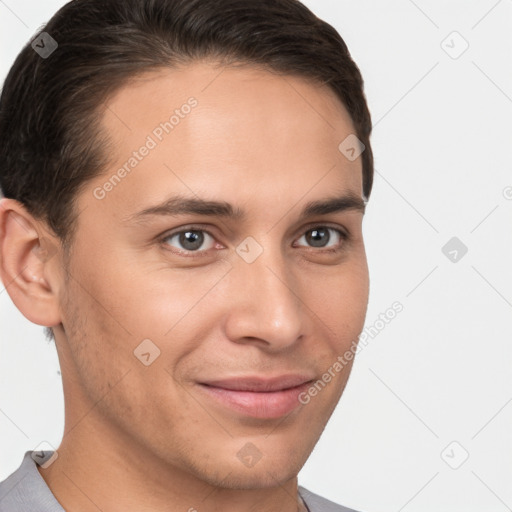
[[30, 264]]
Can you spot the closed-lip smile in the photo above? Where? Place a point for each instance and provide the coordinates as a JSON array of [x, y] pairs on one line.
[[256, 396]]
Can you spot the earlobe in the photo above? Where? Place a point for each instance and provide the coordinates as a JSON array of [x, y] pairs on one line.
[[26, 267]]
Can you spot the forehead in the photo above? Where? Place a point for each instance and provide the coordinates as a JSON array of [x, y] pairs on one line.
[[226, 132]]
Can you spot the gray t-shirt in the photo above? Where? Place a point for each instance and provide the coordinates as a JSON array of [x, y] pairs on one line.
[[26, 491]]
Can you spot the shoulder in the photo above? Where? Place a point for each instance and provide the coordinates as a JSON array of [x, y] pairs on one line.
[[26, 491], [316, 503]]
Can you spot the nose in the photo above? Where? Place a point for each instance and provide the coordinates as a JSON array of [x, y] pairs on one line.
[[266, 303]]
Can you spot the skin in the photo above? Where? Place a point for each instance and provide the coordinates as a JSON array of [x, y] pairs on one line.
[[142, 437]]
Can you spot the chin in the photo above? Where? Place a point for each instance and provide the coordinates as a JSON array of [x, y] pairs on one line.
[[264, 477], [273, 469], [269, 471]]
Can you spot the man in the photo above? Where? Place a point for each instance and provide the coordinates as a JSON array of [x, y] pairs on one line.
[[185, 183]]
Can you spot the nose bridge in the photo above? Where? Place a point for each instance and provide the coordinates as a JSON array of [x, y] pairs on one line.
[[266, 304]]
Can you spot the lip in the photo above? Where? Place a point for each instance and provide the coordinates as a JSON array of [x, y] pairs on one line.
[[258, 397]]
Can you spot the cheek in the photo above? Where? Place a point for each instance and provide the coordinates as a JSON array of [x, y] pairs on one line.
[[146, 296], [340, 301]]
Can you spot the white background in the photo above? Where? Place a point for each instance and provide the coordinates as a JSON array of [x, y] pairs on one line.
[[441, 370]]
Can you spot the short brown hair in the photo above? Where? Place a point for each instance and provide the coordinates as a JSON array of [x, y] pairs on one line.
[[49, 123]]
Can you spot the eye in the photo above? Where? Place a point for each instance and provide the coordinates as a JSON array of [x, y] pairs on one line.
[[190, 240], [195, 241], [322, 236]]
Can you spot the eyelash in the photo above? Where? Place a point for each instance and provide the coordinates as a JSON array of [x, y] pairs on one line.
[[196, 254]]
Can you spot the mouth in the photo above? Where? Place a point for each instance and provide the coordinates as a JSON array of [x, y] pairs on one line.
[[258, 397]]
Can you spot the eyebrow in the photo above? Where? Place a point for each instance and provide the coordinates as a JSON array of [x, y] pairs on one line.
[[182, 205]]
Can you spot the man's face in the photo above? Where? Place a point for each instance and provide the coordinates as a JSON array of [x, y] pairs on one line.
[[241, 300]]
